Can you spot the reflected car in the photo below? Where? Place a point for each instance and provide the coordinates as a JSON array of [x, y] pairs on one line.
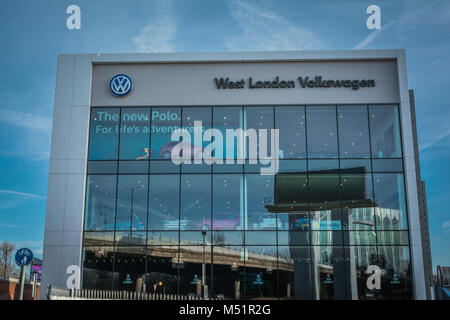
[[175, 146], [228, 221]]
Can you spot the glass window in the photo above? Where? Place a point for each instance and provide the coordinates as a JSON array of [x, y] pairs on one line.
[[293, 238], [260, 203], [164, 122], [162, 269], [387, 165], [162, 238], [328, 279], [321, 132], [358, 259], [228, 272], [228, 202], [195, 200], [100, 202], [135, 134], [396, 272], [196, 238], [389, 198], [385, 131], [228, 118], [196, 143], [129, 268], [98, 238], [191, 271], [291, 123], [130, 238], [98, 268], [104, 134], [357, 201], [163, 203], [260, 270], [353, 132], [228, 238], [324, 191], [294, 270], [102, 167], [132, 202], [292, 201], [257, 118]]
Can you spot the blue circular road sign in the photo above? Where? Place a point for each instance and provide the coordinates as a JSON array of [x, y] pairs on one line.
[[24, 257]]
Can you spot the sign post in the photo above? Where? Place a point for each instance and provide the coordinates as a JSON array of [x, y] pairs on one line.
[[24, 257]]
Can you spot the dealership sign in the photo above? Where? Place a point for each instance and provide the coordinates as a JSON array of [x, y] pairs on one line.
[[303, 82]]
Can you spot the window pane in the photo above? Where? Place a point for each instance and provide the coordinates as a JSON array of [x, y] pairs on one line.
[[228, 118], [353, 132], [358, 259], [163, 203], [294, 269], [132, 202], [328, 273], [100, 202], [129, 268], [322, 134], [396, 276], [191, 272], [135, 134], [98, 268], [164, 122], [191, 115], [260, 269], [385, 132], [227, 202], [291, 123], [103, 134], [195, 200], [390, 201], [257, 118], [228, 272], [162, 270], [260, 202]]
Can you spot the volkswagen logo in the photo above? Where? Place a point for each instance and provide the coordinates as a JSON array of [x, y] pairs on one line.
[[120, 85]]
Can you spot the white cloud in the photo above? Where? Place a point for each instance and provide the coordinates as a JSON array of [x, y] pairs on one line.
[[446, 224], [434, 141], [262, 29], [158, 35], [20, 194]]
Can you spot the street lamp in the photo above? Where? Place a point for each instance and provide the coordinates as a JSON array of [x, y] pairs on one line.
[[131, 203], [204, 266]]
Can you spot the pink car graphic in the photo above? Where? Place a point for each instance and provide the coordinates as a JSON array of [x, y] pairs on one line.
[[228, 221]]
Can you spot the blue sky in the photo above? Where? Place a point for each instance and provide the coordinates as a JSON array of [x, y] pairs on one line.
[[33, 33]]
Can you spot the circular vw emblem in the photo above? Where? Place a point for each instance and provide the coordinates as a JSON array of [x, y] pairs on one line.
[[120, 85]]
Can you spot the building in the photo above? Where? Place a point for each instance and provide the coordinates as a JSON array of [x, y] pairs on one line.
[[304, 218]]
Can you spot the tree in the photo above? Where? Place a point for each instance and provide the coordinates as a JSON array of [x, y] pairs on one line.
[[7, 267]]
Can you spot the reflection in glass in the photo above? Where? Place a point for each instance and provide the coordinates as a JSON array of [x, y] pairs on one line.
[[322, 133], [161, 276], [135, 134], [132, 202], [195, 200], [353, 132], [358, 259], [129, 268], [396, 272], [104, 134], [291, 123], [164, 122], [163, 203], [227, 203], [228, 118], [389, 196], [228, 272], [259, 201], [257, 118], [385, 131], [98, 268], [100, 202], [294, 269], [194, 261], [260, 269]]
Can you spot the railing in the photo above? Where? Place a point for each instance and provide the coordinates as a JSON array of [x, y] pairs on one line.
[[54, 293]]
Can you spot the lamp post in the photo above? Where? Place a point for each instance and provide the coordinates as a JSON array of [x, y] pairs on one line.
[[204, 266]]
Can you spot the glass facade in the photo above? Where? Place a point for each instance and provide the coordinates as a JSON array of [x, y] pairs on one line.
[[336, 206]]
